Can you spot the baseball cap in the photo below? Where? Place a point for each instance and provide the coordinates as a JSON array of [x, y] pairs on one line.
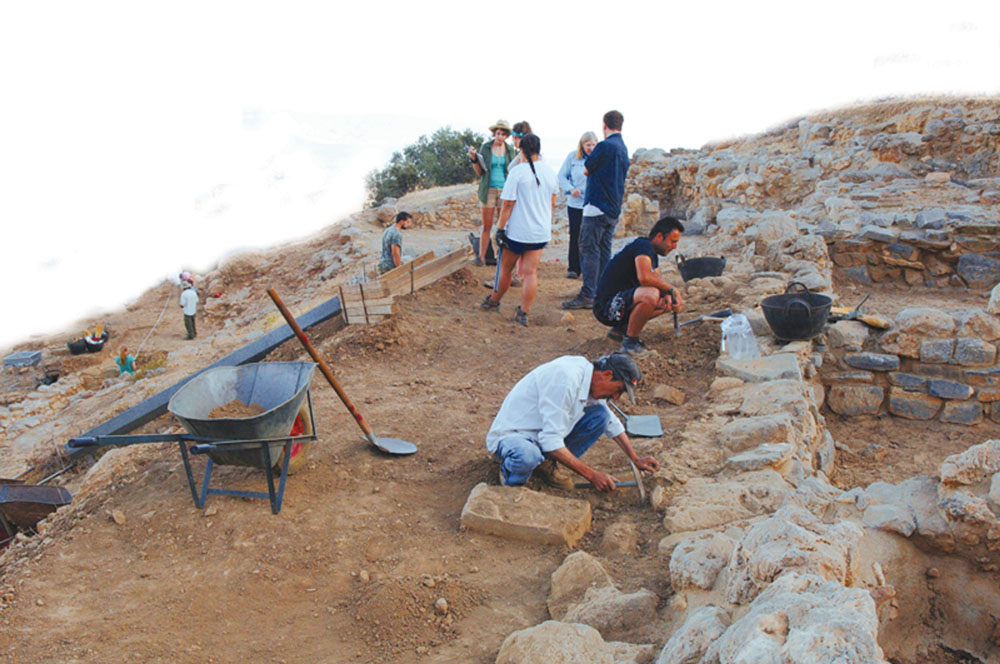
[[622, 368]]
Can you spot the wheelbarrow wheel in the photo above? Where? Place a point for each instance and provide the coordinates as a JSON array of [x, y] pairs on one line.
[[302, 426]]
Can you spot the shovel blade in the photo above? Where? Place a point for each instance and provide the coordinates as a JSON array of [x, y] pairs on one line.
[[393, 445], [645, 426]]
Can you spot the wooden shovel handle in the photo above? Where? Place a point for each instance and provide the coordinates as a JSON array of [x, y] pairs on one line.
[[319, 360]]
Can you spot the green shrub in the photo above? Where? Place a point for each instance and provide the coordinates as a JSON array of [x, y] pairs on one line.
[[437, 161]]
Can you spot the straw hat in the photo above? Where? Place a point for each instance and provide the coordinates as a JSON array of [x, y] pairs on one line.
[[500, 124]]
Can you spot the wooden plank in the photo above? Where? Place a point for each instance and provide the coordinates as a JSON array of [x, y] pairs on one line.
[[369, 291], [406, 267], [360, 311], [370, 302], [439, 268]]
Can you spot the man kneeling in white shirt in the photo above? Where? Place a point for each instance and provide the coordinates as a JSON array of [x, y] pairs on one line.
[[556, 413]]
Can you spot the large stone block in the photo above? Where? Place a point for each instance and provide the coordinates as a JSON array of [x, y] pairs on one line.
[[994, 305], [762, 369], [769, 455], [936, 351], [571, 580], [612, 612], [689, 643], [555, 642], [972, 352], [978, 323], [948, 389], [748, 432], [925, 321], [852, 400], [962, 412], [908, 380], [983, 377], [913, 405], [519, 513], [872, 361], [972, 466], [847, 333], [979, 271], [989, 395], [848, 377], [706, 502], [933, 218], [697, 561]]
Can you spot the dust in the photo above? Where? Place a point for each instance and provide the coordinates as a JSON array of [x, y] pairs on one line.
[[400, 614], [236, 408]]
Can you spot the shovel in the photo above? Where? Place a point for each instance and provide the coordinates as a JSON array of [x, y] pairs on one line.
[[387, 445], [644, 426]]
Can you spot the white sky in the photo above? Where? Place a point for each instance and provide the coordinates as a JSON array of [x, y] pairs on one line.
[[119, 119]]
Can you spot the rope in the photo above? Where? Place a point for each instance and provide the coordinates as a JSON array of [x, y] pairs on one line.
[[162, 311]]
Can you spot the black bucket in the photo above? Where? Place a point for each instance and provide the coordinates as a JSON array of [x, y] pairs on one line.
[[796, 316], [699, 268]]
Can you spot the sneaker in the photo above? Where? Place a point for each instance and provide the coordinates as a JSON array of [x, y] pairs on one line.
[[554, 475], [488, 284], [521, 316], [579, 302], [489, 305], [491, 261], [616, 334], [572, 275], [633, 346]]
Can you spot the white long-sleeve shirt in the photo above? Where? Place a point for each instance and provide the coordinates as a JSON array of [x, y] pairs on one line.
[[545, 405], [189, 301]]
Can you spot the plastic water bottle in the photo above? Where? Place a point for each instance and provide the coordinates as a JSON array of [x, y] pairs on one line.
[[738, 338]]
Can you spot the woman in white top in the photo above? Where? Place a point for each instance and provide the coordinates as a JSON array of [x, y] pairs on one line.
[[525, 226]]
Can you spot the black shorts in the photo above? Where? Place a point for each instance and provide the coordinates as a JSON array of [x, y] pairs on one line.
[[614, 311]]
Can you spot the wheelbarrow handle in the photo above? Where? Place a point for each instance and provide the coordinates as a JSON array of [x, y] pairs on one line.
[[83, 441]]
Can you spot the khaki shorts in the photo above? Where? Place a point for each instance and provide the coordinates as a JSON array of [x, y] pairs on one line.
[[492, 198]]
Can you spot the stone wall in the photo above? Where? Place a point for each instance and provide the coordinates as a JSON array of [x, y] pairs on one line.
[[930, 364]]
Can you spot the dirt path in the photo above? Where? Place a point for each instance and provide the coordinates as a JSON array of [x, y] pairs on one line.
[[233, 582]]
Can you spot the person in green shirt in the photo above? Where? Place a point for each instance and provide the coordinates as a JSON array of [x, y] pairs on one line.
[[125, 362], [497, 157]]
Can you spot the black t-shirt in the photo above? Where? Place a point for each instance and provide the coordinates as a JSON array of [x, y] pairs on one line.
[[620, 273]]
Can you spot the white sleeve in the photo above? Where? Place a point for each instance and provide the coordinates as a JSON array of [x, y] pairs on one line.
[[615, 427]]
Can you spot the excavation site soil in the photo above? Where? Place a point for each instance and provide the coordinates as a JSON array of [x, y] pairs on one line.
[[365, 544]]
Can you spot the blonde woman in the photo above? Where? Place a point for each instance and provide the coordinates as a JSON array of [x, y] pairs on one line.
[[573, 182]]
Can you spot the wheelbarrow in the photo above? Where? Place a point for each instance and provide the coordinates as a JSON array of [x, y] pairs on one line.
[[274, 440]]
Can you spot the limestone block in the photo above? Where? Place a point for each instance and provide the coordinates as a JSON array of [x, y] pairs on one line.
[[900, 343], [852, 400], [989, 395], [978, 271], [983, 377], [973, 352], [612, 612], [909, 380], [689, 643], [978, 323], [707, 502], [877, 234], [723, 384], [803, 618], [670, 394], [948, 389], [769, 455], [936, 351], [925, 321], [791, 538], [893, 518], [774, 227], [848, 377], [913, 405], [579, 572], [762, 369], [847, 333], [872, 361], [697, 561], [748, 432], [973, 465], [776, 396], [519, 513], [994, 305], [962, 412], [555, 642]]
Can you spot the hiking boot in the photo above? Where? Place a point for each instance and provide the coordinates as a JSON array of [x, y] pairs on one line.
[[616, 334], [579, 302], [572, 275], [489, 305], [521, 316], [633, 346], [491, 261], [554, 475]]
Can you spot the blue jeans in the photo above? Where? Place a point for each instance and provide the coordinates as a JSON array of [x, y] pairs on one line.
[[519, 456], [595, 250]]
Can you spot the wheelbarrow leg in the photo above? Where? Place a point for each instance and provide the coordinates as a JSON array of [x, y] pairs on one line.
[[276, 498], [198, 502]]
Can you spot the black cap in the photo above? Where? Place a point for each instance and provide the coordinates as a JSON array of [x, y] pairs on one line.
[[622, 368]]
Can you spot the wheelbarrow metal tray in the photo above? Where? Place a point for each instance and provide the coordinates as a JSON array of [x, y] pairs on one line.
[[25, 505], [278, 387]]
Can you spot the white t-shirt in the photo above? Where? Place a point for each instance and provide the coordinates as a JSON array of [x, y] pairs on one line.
[[531, 219]]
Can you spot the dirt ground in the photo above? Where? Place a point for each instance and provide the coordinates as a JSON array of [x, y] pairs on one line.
[[366, 544]]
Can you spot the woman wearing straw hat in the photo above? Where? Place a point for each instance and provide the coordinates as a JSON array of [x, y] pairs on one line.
[[497, 156]]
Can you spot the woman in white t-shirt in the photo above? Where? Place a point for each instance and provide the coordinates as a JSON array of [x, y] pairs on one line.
[[525, 226]]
